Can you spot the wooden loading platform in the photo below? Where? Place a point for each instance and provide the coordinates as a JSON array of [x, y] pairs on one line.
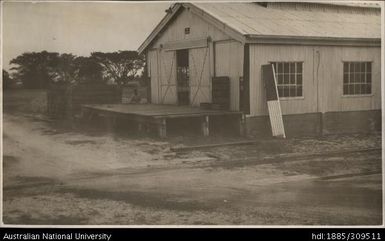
[[145, 115]]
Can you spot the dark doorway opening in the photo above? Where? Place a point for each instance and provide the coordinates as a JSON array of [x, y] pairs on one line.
[[183, 77]]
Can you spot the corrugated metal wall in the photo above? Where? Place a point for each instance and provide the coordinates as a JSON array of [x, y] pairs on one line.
[[229, 62], [331, 77], [322, 70], [198, 29], [323, 67]]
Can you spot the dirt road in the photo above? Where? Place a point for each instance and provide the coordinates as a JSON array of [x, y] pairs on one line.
[[58, 175], [72, 178]]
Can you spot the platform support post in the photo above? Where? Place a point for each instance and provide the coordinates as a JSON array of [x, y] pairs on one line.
[[162, 128], [205, 126], [242, 125], [82, 112], [110, 121]]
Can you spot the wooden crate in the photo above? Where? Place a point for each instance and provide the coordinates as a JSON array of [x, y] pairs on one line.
[[221, 92]]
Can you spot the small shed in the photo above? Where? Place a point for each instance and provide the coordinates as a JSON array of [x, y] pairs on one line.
[[326, 57]]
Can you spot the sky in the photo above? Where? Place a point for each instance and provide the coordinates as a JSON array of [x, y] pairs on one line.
[[76, 27]]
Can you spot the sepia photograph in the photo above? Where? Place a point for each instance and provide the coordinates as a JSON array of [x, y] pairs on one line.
[[192, 113]]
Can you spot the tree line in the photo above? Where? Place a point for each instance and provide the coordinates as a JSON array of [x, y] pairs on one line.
[[36, 70]]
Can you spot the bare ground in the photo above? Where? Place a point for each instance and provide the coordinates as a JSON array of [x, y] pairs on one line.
[[56, 173]]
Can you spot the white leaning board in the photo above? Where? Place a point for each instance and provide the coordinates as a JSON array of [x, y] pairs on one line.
[[272, 99], [276, 120]]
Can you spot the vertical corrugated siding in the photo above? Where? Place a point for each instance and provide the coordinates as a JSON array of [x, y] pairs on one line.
[[263, 54], [331, 78], [229, 62], [322, 65], [199, 29], [199, 64]]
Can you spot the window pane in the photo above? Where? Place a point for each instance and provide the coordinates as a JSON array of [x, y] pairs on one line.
[[299, 91], [357, 89], [357, 67], [346, 67], [369, 67], [280, 91], [292, 90], [280, 79], [362, 77], [346, 89], [368, 78], [299, 79], [363, 89], [292, 67], [280, 68], [352, 77], [357, 77], [346, 78], [299, 67], [286, 68], [362, 67], [368, 88], [292, 78], [286, 79], [350, 89], [286, 92]]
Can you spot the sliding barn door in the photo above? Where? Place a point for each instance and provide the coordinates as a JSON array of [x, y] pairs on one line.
[[199, 63], [167, 65], [154, 75]]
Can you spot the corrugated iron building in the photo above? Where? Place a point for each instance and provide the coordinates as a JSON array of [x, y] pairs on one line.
[[327, 59]]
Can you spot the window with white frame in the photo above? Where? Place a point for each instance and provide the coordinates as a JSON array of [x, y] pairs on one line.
[[289, 78], [357, 78]]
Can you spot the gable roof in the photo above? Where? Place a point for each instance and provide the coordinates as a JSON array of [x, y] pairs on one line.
[[247, 21]]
